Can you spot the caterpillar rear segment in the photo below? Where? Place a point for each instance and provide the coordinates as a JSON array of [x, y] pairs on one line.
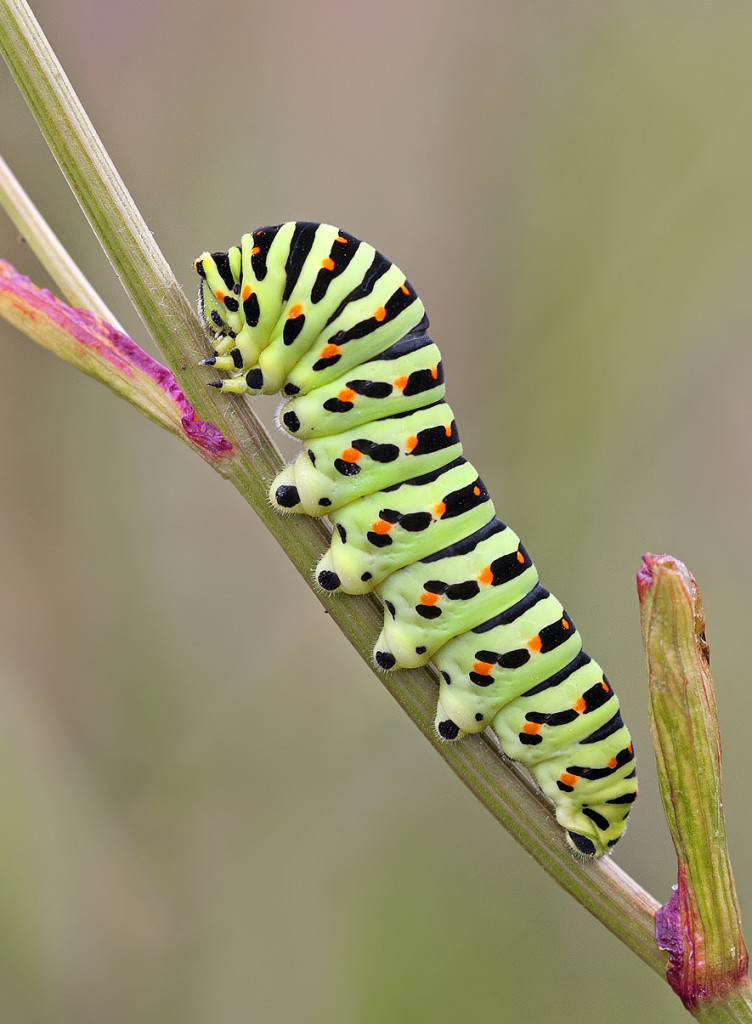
[[312, 312]]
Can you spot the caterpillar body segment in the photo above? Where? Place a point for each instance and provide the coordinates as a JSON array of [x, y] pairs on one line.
[[450, 592], [385, 531], [334, 470], [487, 668], [394, 382], [310, 311]]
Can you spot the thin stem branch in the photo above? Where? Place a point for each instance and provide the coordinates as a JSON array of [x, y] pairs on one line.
[[48, 248]]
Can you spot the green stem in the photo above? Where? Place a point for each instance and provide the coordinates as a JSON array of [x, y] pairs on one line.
[[701, 925]]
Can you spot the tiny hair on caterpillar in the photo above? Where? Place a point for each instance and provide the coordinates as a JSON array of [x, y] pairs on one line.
[[312, 312]]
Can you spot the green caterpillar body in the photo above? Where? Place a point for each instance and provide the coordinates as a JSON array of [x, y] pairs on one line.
[[311, 311]]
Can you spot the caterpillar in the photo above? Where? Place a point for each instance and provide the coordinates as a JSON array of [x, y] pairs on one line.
[[312, 312]]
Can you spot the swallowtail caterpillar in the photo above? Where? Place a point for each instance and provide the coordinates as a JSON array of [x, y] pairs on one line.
[[312, 312]]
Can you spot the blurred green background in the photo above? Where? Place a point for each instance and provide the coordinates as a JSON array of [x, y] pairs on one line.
[[209, 808]]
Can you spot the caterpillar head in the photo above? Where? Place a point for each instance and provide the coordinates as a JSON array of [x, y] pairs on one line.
[[217, 299]]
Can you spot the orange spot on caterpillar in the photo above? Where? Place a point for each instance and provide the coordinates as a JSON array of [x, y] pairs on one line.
[[327, 263], [434, 372], [440, 509], [411, 442], [339, 238], [485, 575], [219, 295], [482, 668], [612, 763], [535, 643], [531, 728], [246, 293], [295, 311], [429, 599], [401, 383], [448, 430], [380, 314], [520, 557], [381, 526], [346, 395], [328, 351], [564, 624], [629, 748], [351, 455], [476, 491], [568, 779], [579, 705], [255, 250], [404, 289]]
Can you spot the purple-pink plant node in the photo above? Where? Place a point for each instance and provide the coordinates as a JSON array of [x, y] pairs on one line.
[[201, 432], [116, 347], [669, 936], [645, 577], [668, 926]]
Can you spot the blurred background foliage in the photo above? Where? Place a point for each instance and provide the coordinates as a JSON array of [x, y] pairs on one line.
[[210, 810]]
